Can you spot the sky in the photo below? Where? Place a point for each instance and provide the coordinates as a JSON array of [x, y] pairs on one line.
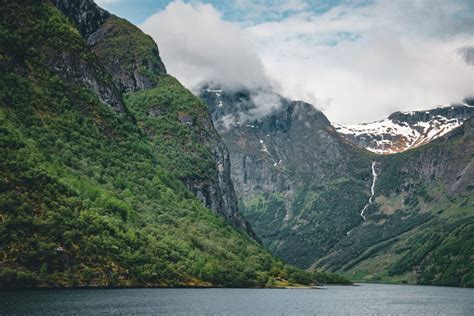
[[357, 61]]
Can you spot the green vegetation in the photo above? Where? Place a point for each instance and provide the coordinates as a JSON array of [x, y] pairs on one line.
[[319, 217], [93, 197], [128, 54], [419, 228], [438, 252], [421, 231], [173, 118]]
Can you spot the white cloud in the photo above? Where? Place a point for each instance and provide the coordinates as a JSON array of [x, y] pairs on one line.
[[264, 100], [197, 45], [362, 63], [355, 62]]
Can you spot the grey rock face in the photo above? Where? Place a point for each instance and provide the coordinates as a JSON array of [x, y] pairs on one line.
[[84, 14], [219, 194], [129, 55], [280, 151], [71, 67], [87, 17], [283, 159], [443, 162]]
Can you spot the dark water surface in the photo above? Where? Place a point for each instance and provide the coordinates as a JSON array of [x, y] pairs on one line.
[[366, 299]]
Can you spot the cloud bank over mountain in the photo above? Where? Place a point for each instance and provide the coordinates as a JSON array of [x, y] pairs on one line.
[[200, 46], [357, 62]]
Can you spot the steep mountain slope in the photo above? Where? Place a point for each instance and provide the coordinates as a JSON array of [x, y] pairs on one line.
[[421, 225], [301, 185], [132, 61], [103, 188], [318, 201], [405, 130]]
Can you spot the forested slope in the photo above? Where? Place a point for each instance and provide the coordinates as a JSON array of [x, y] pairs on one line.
[[111, 171]]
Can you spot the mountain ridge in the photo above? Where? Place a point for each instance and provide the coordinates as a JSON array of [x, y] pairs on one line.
[[334, 205], [132, 58], [105, 181], [401, 131]]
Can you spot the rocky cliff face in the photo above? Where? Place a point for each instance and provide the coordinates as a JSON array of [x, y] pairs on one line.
[[76, 64], [219, 195], [283, 160], [405, 130], [316, 200], [86, 16], [129, 55], [121, 60], [291, 144]]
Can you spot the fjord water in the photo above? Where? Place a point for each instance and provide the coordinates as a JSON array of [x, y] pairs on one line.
[[370, 299]]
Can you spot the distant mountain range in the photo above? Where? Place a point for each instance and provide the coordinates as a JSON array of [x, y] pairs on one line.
[[406, 130], [318, 199]]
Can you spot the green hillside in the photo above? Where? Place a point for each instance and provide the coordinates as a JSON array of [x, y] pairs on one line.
[[92, 185], [421, 229]]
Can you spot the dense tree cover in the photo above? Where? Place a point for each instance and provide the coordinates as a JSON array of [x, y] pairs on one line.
[[443, 251], [172, 117], [426, 247], [87, 197], [320, 217]]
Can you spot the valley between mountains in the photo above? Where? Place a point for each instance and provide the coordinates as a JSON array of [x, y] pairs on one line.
[[323, 196], [113, 174]]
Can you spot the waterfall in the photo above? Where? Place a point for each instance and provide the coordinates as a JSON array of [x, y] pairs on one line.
[[374, 179], [372, 191]]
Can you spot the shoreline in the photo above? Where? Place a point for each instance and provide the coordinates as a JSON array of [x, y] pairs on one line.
[[293, 287], [45, 288]]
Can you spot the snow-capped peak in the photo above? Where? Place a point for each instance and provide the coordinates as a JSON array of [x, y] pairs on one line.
[[405, 130]]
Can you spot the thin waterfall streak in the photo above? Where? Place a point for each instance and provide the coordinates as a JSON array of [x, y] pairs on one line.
[[372, 191]]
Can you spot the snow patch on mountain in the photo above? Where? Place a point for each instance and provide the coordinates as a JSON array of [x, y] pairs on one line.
[[405, 130]]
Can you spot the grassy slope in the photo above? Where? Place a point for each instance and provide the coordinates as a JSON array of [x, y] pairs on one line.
[[438, 251], [86, 197], [438, 248]]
